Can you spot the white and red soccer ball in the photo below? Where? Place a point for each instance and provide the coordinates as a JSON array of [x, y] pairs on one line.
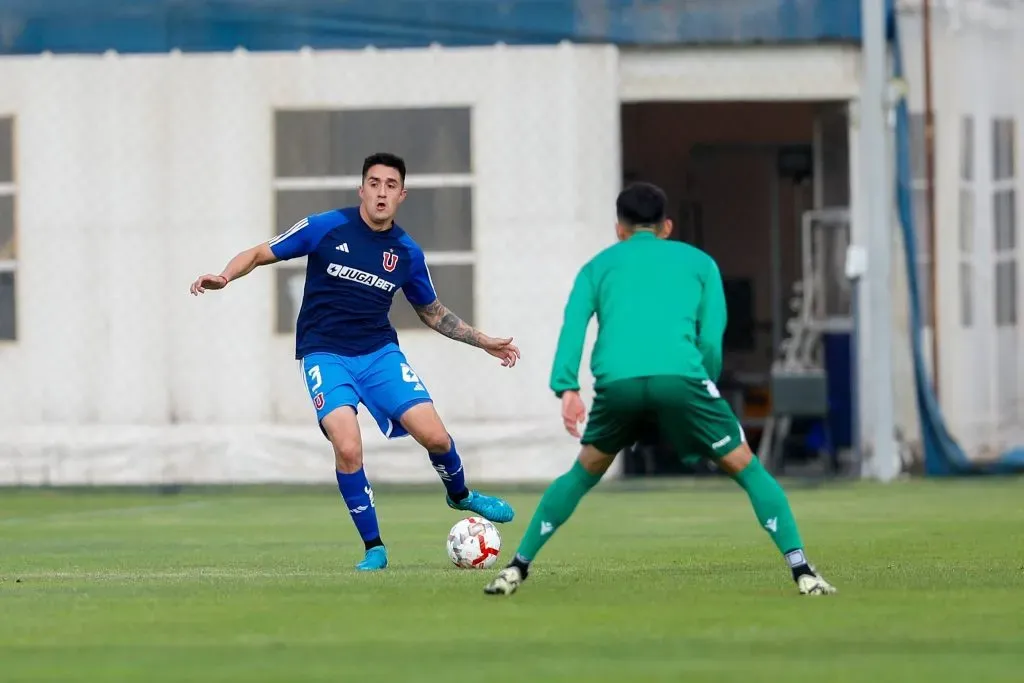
[[474, 543]]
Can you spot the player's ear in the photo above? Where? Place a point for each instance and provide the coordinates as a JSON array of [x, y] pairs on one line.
[[401, 195], [621, 232], [666, 229]]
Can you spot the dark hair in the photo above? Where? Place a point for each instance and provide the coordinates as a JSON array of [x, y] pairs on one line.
[[385, 159], [641, 204]]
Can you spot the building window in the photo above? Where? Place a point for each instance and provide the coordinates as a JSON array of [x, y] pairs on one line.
[[8, 233], [1004, 219], [922, 238], [318, 162], [966, 222]]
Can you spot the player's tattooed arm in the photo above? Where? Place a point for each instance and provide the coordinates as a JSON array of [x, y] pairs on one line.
[[438, 317]]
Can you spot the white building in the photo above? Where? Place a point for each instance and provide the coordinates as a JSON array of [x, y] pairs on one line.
[[132, 174]]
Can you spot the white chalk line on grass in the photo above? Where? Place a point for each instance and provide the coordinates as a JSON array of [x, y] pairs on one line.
[[180, 575], [200, 573], [342, 572], [74, 515]]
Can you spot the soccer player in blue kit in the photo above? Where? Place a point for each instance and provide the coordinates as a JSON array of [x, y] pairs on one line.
[[357, 258]]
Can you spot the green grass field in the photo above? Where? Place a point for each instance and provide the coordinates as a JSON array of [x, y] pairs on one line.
[[675, 583]]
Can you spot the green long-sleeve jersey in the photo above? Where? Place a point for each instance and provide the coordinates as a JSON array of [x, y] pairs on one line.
[[660, 309]]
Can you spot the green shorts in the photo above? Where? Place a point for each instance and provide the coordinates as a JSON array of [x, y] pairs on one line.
[[690, 412]]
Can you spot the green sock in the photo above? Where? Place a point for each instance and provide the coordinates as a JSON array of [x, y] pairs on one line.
[[555, 507], [771, 507]]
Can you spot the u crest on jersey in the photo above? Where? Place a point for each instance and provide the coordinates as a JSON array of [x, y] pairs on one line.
[[390, 261]]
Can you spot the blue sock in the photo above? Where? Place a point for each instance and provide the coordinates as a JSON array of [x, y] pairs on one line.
[[358, 495], [449, 468]]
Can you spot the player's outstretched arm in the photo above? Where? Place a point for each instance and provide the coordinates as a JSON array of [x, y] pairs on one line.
[[579, 309], [439, 318], [241, 265]]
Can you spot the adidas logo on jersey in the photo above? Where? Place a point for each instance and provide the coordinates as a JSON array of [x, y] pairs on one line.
[[360, 276], [343, 247]]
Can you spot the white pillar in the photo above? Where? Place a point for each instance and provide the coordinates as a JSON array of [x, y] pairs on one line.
[[862, 323], [882, 461]]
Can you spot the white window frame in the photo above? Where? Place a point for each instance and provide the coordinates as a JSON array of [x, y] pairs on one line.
[[1001, 255], [922, 257], [10, 189], [1008, 254], [352, 182], [431, 181], [455, 257], [10, 264], [965, 248]]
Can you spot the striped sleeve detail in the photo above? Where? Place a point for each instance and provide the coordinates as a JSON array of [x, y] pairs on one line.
[[304, 223]]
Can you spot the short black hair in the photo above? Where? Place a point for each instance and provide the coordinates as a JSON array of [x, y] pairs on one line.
[[641, 204], [385, 159]]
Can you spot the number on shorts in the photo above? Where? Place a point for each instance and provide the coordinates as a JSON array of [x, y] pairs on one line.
[[314, 374], [712, 389], [408, 375]]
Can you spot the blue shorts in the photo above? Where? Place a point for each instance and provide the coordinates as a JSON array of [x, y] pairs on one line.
[[382, 381]]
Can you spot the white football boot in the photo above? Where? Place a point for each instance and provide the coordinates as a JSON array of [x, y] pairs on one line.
[[814, 585], [506, 582]]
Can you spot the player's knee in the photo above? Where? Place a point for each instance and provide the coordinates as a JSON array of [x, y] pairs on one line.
[[425, 425], [736, 460], [436, 440], [594, 461], [342, 429], [348, 454]]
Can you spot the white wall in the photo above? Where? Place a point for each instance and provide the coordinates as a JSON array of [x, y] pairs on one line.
[[135, 174], [977, 55], [768, 73]]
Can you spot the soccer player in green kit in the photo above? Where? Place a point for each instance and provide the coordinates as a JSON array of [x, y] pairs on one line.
[[661, 316]]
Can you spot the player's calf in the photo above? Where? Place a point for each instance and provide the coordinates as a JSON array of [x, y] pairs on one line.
[[556, 506], [348, 454], [775, 515], [425, 425], [343, 431]]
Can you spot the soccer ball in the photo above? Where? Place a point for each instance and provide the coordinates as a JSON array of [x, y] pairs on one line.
[[474, 543]]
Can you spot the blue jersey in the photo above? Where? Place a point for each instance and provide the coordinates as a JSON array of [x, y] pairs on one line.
[[352, 274]]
